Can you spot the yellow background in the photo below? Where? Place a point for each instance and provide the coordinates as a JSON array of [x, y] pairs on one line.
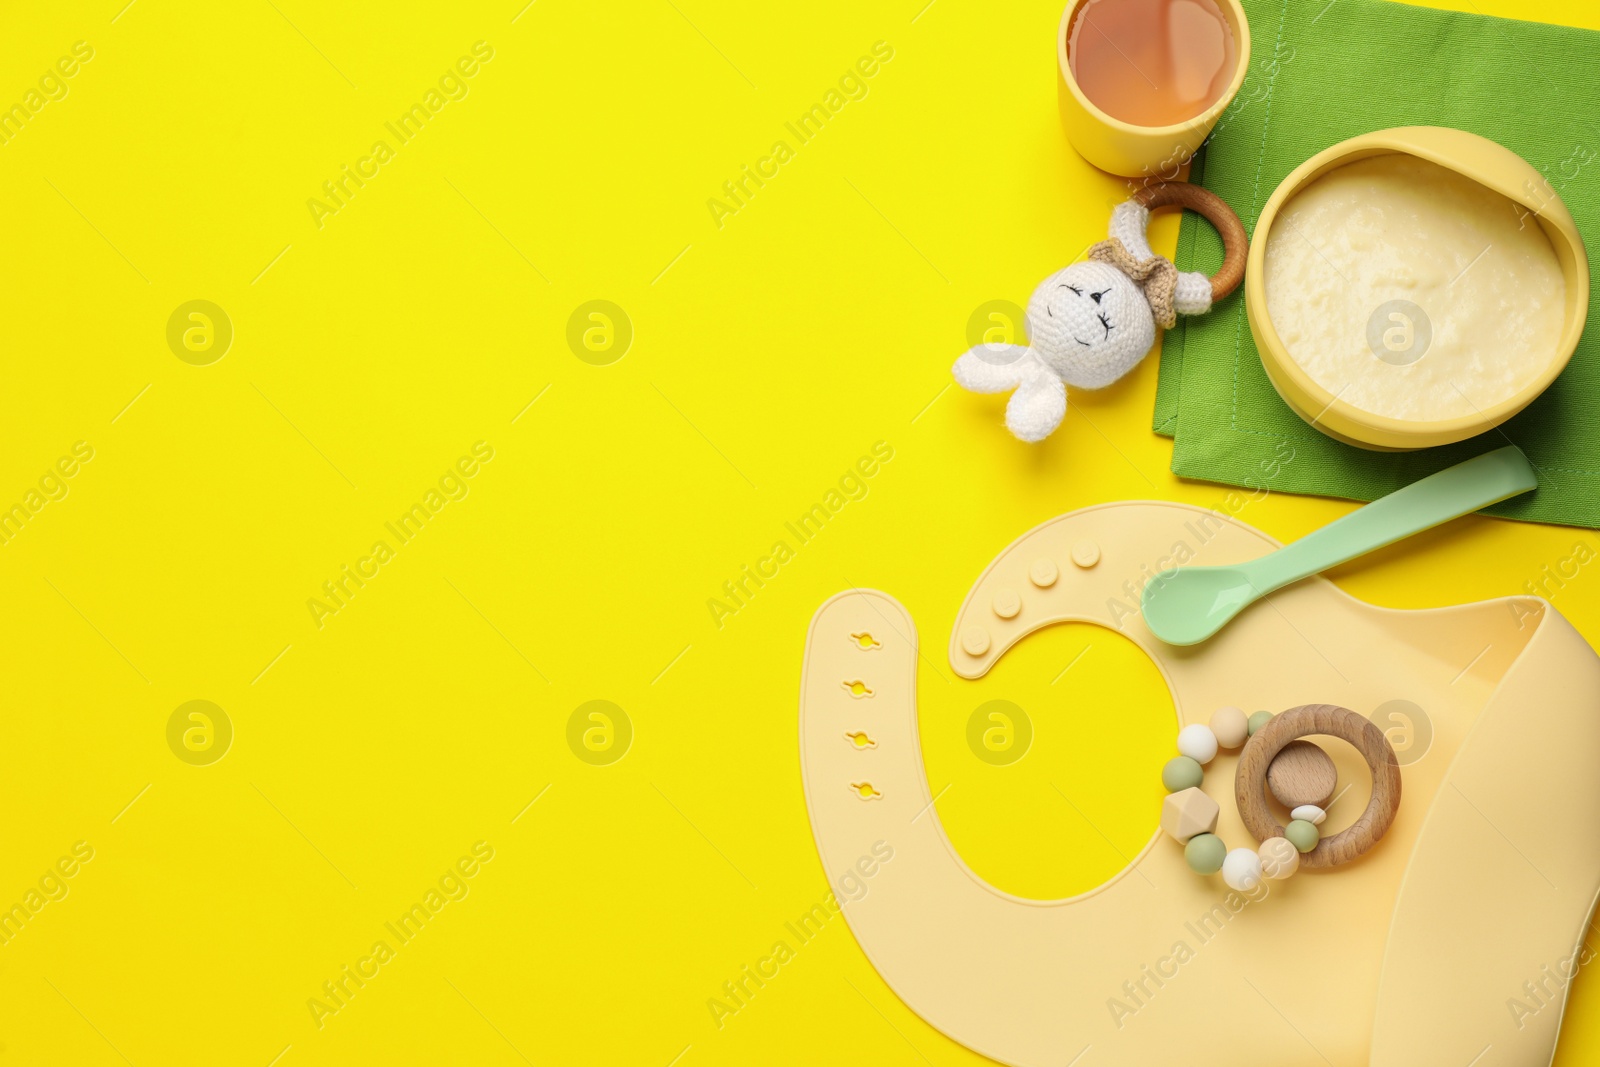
[[768, 355]]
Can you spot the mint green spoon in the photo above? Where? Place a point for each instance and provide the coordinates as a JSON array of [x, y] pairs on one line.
[[1187, 605]]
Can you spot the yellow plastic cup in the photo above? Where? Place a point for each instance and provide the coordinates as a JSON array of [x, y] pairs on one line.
[[1485, 162], [1154, 152]]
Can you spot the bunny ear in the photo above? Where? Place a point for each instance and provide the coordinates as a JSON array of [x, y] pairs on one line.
[[1038, 405]]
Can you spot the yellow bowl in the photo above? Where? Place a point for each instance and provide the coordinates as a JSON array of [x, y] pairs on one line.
[[1154, 152], [1485, 162]]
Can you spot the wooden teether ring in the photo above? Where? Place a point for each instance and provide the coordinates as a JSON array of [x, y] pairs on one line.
[[1249, 783], [1215, 210]]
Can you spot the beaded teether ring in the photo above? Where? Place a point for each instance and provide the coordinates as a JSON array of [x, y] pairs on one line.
[[1274, 736], [1190, 816]]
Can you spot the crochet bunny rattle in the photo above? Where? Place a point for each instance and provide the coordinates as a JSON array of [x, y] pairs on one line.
[[1092, 322]]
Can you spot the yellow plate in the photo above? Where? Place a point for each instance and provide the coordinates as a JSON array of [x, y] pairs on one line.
[[1491, 165]]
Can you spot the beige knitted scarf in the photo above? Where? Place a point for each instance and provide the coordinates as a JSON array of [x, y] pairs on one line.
[[1156, 276]]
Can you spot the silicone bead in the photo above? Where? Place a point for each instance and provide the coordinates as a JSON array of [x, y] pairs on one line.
[[1230, 726], [1205, 853], [1181, 772], [1198, 743], [975, 640], [1189, 812], [1241, 869], [1302, 835], [1279, 857], [1310, 813], [1043, 573], [1258, 720]]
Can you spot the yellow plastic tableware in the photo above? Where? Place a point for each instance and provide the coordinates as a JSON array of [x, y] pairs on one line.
[[1187, 605], [1491, 165], [1155, 152], [1415, 955]]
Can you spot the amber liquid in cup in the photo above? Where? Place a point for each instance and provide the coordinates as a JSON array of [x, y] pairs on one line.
[[1152, 62]]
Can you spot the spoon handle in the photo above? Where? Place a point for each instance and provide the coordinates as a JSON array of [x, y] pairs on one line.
[[1452, 492]]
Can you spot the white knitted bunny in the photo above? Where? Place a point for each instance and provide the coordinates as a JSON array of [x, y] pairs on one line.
[[1092, 322]]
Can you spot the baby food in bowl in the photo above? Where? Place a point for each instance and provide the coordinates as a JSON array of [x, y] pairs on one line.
[[1415, 287], [1409, 290]]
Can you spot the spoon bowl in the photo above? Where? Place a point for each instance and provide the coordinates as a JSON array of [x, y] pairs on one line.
[[1184, 607]]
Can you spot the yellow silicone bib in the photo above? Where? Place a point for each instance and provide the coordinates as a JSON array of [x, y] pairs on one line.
[[1455, 935]]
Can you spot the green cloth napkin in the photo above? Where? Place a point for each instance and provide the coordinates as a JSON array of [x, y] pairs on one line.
[[1321, 73]]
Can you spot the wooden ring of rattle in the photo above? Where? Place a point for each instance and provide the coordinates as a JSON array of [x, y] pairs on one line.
[[1215, 210], [1250, 782]]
